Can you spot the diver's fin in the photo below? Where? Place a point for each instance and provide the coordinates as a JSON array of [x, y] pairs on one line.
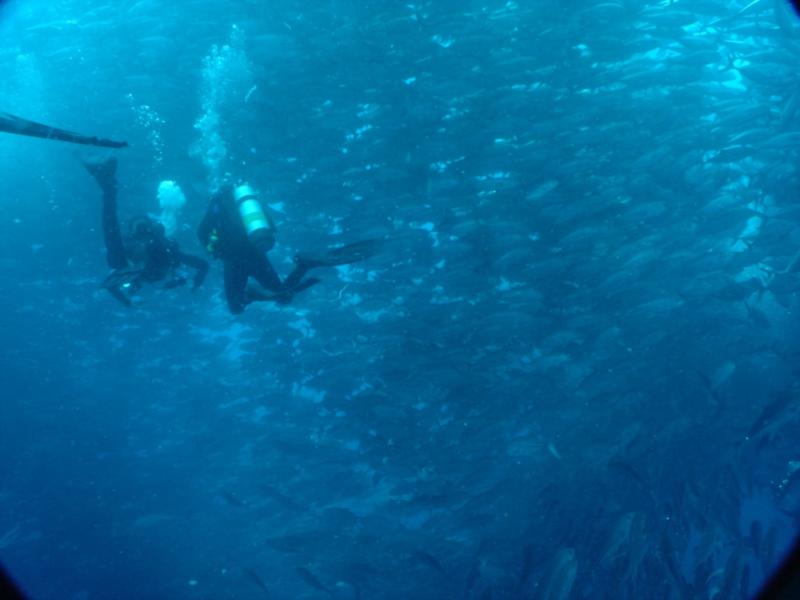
[[104, 170], [17, 125], [345, 255], [100, 168]]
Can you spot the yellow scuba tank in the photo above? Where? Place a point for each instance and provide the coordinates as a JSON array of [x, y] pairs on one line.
[[259, 227]]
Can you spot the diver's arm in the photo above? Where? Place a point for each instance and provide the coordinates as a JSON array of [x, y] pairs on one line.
[[197, 263]]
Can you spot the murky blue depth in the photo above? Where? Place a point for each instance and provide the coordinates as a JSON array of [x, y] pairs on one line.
[[570, 373]]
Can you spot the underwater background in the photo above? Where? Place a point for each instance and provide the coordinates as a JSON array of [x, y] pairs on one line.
[[571, 372]]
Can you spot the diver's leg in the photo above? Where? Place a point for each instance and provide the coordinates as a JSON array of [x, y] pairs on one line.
[[264, 273], [235, 278], [105, 173], [295, 277], [115, 250]]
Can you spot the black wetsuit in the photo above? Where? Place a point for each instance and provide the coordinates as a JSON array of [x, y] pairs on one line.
[[146, 254], [222, 232]]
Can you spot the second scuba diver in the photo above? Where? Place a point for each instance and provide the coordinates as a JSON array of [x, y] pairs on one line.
[[239, 231], [145, 254]]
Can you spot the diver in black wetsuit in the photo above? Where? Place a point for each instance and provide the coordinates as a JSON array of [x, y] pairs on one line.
[[145, 254], [238, 230]]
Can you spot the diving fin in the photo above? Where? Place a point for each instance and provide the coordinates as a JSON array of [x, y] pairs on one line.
[[103, 170], [19, 126], [345, 255]]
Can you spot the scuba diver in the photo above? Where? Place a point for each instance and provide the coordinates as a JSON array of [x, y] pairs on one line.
[[239, 231], [19, 126], [145, 254]]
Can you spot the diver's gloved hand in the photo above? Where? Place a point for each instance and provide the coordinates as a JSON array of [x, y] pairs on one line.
[[121, 296], [128, 279], [305, 284], [123, 284]]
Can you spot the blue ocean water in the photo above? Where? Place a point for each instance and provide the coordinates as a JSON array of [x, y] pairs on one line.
[[571, 371]]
